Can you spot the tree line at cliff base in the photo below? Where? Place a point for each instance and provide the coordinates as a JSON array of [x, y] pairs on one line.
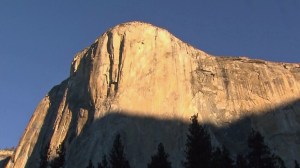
[[199, 153]]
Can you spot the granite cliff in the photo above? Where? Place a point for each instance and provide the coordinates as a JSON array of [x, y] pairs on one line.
[[142, 82], [5, 155]]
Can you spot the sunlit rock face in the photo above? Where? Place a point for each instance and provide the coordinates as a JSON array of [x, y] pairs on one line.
[[142, 82]]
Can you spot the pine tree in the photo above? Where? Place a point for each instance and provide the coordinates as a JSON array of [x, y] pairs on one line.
[[216, 158], [104, 163], [226, 160], [221, 158], [117, 157], [90, 164], [296, 164], [59, 161], [198, 146], [259, 155], [241, 161], [160, 159], [278, 162]]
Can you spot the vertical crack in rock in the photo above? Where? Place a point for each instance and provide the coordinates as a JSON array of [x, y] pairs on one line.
[[121, 63], [114, 70], [225, 80], [221, 72], [110, 49], [80, 99]]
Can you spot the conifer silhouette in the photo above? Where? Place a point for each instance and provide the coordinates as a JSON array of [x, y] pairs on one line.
[[104, 163], [117, 157], [90, 164], [160, 159], [198, 151], [260, 155], [221, 158], [296, 164], [241, 161]]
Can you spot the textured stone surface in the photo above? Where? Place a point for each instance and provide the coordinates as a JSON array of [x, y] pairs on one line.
[[141, 81], [5, 156]]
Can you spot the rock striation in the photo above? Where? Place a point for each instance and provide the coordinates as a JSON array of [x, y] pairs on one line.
[[142, 82]]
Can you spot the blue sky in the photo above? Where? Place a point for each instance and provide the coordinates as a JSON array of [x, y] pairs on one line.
[[38, 39]]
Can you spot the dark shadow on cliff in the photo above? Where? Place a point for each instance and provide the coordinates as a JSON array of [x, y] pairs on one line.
[[41, 148], [75, 94], [4, 161], [78, 95], [142, 134]]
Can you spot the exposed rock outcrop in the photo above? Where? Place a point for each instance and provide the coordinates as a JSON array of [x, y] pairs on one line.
[[5, 155], [141, 81]]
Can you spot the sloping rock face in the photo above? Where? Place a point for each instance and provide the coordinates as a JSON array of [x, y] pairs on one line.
[[5, 156], [142, 82]]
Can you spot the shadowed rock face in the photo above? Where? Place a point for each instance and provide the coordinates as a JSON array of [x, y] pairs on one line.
[[141, 81], [5, 156]]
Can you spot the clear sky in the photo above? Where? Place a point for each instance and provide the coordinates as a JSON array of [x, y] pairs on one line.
[[38, 39]]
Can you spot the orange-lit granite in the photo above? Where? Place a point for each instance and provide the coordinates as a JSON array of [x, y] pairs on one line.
[[142, 82]]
